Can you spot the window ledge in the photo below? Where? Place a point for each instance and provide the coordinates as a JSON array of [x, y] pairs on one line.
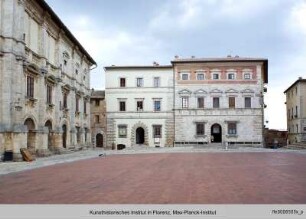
[[232, 136], [200, 136], [32, 99]]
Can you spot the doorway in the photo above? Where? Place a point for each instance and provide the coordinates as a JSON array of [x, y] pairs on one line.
[[216, 133], [140, 136], [31, 135], [99, 140], [48, 124], [64, 136]]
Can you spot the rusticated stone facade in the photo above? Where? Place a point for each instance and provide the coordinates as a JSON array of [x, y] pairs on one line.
[[44, 81]]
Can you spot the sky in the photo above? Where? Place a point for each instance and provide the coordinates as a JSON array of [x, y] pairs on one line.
[[139, 32]]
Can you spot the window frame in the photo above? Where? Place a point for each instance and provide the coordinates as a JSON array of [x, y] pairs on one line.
[[232, 104], [231, 74], [214, 106], [122, 82], [215, 73], [185, 73], [138, 109], [122, 131], [122, 106], [198, 102], [49, 94], [156, 109], [156, 82], [245, 102], [200, 73], [185, 102], [232, 128], [155, 128], [30, 86], [139, 82], [198, 124]]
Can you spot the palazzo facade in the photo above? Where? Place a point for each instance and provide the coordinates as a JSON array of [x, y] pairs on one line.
[[191, 102], [296, 112], [219, 100], [139, 103], [44, 81]]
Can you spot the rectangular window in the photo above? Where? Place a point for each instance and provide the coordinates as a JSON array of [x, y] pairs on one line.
[[200, 77], [231, 76], [30, 86], [78, 134], [185, 77], [296, 111], [215, 76], [85, 106], [156, 105], [77, 101], [156, 82], [247, 76], [97, 102], [297, 128], [216, 102], [232, 128], [304, 129], [200, 102], [122, 131], [65, 100], [122, 82], [247, 102], [139, 82], [122, 106], [85, 134], [139, 105], [231, 102], [200, 128], [185, 102], [49, 94], [97, 118], [157, 131]]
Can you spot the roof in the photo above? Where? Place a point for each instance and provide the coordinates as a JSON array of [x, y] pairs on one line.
[[97, 94], [114, 67], [297, 81], [57, 20], [227, 59]]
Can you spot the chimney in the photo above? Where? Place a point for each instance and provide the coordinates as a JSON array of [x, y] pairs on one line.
[[192, 57], [155, 63], [300, 78], [176, 57], [229, 56], [236, 56]]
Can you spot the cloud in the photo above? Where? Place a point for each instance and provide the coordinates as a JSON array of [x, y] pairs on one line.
[[298, 17], [197, 14]]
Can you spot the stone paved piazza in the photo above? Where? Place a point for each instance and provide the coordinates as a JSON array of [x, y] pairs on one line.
[[160, 178]]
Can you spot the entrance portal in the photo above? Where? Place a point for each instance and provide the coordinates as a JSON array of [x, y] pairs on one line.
[[49, 126], [216, 133], [140, 136], [31, 135], [99, 140], [64, 136]]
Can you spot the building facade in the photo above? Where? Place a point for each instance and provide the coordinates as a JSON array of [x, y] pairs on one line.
[[44, 81], [98, 118], [200, 101], [219, 100], [296, 111], [139, 102]]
